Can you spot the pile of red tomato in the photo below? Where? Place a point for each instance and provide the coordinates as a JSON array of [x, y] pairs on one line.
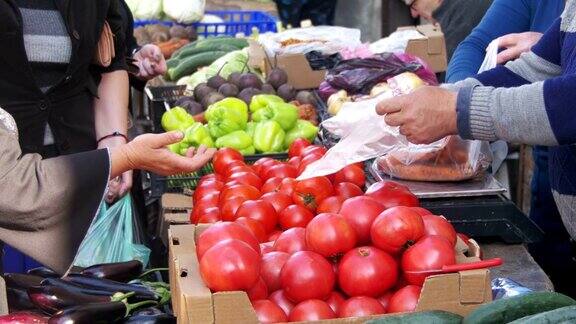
[[318, 248]]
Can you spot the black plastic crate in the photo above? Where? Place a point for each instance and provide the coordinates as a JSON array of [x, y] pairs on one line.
[[160, 99], [180, 183]]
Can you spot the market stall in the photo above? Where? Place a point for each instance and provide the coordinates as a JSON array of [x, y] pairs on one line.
[[312, 208]]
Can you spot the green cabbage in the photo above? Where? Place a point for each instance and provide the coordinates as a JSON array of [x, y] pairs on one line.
[[145, 9], [184, 11], [195, 79], [232, 62]]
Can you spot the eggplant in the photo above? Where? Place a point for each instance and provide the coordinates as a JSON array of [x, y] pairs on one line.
[[43, 272], [18, 300], [149, 311], [21, 281], [120, 271], [150, 319], [57, 282], [27, 317], [51, 299], [112, 286], [90, 313]]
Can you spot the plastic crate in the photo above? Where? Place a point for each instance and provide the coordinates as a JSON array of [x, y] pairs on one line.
[[160, 99], [179, 183], [235, 22], [16, 262]]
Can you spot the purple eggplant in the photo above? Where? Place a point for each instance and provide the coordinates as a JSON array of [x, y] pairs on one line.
[[120, 271], [51, 299], [57, 282], [98, 312], [112, 286], [18, 300], [150, 319], [21, 281], [43, 272]]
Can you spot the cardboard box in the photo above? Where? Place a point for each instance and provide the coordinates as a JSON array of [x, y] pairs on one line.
[[193, 302], [175, 210], [431, 48], [300, 73]]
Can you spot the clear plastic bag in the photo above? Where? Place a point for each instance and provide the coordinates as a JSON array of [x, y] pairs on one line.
[[110, 237]]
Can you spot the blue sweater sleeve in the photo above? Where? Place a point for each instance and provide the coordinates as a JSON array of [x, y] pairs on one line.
[[503, 17]]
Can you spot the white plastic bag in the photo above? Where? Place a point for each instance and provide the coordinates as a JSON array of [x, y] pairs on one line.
[[396, 42], [325, 39]]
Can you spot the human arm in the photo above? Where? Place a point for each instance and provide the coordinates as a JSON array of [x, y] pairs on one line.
[[502, 18]]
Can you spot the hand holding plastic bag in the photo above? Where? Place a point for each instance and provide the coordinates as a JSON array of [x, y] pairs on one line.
[[110, 238]]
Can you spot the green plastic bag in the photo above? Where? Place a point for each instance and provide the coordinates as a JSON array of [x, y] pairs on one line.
[[110, 237]]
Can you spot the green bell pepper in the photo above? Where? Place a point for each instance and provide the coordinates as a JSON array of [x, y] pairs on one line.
[[263, 100], [250, 150], [174, 148], [238, 140], [302, 129], [197, 135], [269, 137], [226, 116], [283, 113], [176, 118], [250, 127]]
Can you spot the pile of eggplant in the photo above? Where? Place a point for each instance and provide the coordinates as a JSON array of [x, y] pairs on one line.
[[103, 293]]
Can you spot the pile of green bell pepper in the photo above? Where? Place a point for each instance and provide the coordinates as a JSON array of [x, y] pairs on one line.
[[267, 125]]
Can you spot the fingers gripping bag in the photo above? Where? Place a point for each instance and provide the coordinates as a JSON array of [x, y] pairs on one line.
[[110, 237]]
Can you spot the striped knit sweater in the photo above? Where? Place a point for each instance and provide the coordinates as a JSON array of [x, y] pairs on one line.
[[532, 100], [47, 43]]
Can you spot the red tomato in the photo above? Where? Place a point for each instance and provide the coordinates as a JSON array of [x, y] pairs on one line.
[[307, 275], [287, 186], [361, 306], [311, 310], [291, 241], [429, 253], [331, 204], [230, 265], [260, 210], [224, 231], [422, 211], [258, 164], [347, 190], [245, 191], [335, 301], [223, 157], [279, 298], [281, 170], [229, 208], [254, 226], [385, 299], [297, 147], [392, 194], [272, 263], [266, 247], [330, 235], [294, 216], [278, 200], [207, 187], [351, 173], [274, 236], [265, 166], [237, 167], [396, 228], [295, 162], [258, 291], [268, 312], [210, 177], [404, 300], [210, 215], [310, 192], [367, 271], [247, 178], [438, 225], [313, 149], [208, 200], [271, 185], [308, 160], [360, 212]]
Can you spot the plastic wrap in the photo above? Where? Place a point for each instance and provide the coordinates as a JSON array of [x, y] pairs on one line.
[[506, 288]]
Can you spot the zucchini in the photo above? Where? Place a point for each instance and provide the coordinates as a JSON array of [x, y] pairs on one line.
[[510, 309], [189, 45], [190, 64], [212, 48], [172, 63], [560, 315], [430, 317], [239, 43]]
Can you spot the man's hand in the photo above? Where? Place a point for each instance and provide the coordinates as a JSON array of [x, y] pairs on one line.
[[424, 8], [150, 61], [121, 185], [426, 115], [516, 44]]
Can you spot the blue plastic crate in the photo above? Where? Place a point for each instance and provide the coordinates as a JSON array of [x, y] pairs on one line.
[[16, 261], [235, 21]]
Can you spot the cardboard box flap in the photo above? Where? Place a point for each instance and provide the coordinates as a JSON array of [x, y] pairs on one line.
[[177, 218], [172, 201], [233, 307], [436, 44], [475, 283]]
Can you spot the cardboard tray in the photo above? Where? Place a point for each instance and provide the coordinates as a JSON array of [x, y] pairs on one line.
[[193, 302], [175, 210], [431, 48]]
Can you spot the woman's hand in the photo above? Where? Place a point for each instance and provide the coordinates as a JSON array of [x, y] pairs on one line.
[[150, 61], [148, 152], [516, 44], [121, 185]]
